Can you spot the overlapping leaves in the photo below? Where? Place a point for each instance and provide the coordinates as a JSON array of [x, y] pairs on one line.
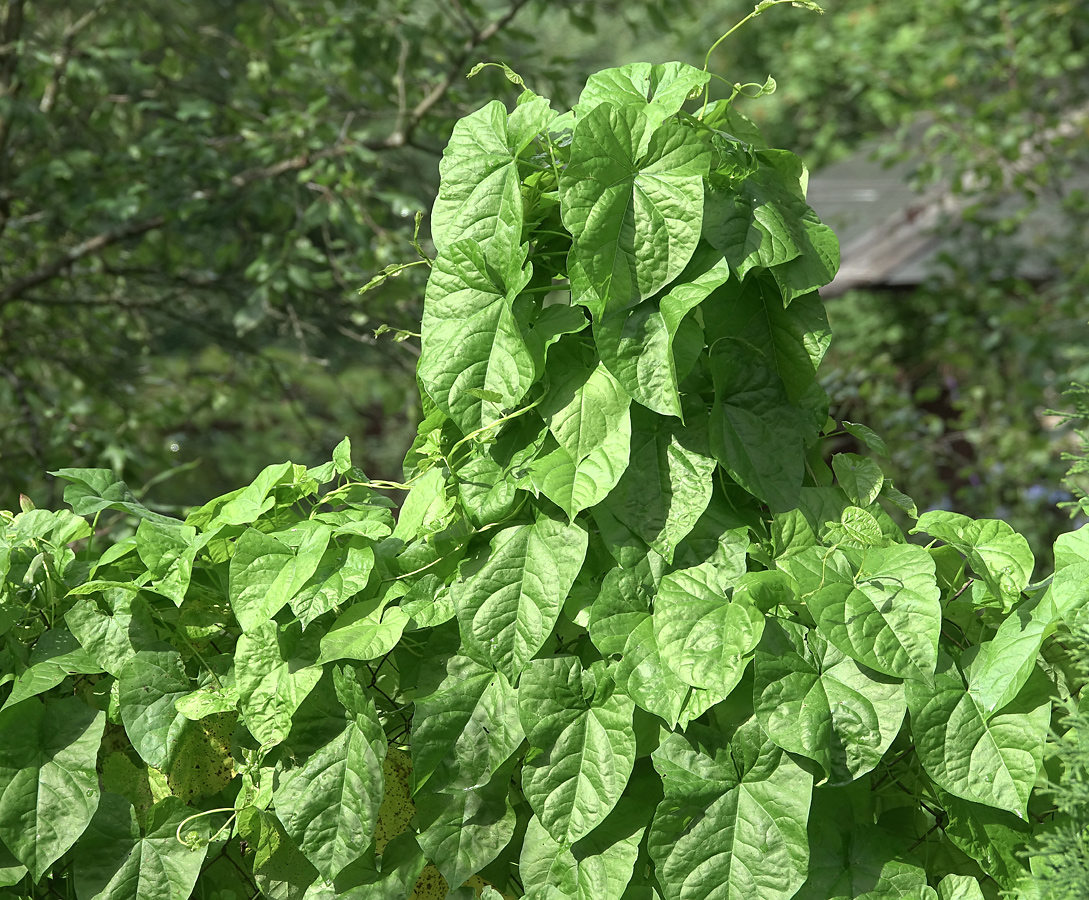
[[628, 636]]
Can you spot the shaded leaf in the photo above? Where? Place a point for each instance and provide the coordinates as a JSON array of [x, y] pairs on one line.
[[48, 783], [329, 805], [990, 759], [466, 729], [583, 732], [117, 860], [996, 553], [732, 824], [509, 596]]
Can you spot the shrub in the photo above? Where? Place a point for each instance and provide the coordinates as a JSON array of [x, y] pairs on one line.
[[628, 636]]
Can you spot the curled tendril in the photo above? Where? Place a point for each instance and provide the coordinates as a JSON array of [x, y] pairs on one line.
[[192, 839]]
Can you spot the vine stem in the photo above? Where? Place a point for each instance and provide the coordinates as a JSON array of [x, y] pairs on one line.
[[759, 8]]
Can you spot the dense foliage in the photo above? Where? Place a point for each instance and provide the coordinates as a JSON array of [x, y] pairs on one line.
[[957, 374], [1060, 857], [627, 637], [266, 138], [191, 195]]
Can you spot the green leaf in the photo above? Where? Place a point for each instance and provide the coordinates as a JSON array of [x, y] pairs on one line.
[[644, 676], [462, 832], [1072, 547], [637, 344], [575, 486], [986, 758], [56, 655], [93, 490], [112, 635], [732, 824], [466, 729], [791, 534], [329, 805], [149, 684], [48, 783], [634, 214], [996, 553], [867, 436], [427, 603], [656, 91], [959, 887], [342, 456], [1002, 665], [244, 506], [898, 498], [597, 867], [813, 700], [265, 573], [881, 605], [858, 528], [621, 604], [207, 702], [859, 476], [274, 672], [426, 509], [584, 406], [668, 482], [168, 551], [704, 638], [116, 860], [471, 339], [363, 631], [480, 195], [487, 490], [342, 572], [509, 596], [582, 731]]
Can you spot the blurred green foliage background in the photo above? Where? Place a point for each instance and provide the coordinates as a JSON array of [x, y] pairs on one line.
[[192, 193]]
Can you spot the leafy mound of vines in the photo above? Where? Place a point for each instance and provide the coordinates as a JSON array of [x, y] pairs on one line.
[[628, 637]]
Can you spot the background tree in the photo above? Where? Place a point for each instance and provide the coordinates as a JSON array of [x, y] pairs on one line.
[[191, 196]]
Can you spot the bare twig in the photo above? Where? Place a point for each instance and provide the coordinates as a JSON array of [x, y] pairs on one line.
[[400, 137], [399, 82]]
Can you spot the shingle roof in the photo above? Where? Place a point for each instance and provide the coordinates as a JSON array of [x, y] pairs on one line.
[[887, 229]]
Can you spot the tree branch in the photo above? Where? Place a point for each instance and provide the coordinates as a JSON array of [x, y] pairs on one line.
[[456, 68], [64, 55], [87, 248]]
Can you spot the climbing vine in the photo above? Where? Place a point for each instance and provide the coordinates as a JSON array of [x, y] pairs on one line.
[[627, 636]]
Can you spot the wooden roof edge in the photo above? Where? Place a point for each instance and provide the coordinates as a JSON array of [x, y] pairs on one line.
[[873, 257]]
